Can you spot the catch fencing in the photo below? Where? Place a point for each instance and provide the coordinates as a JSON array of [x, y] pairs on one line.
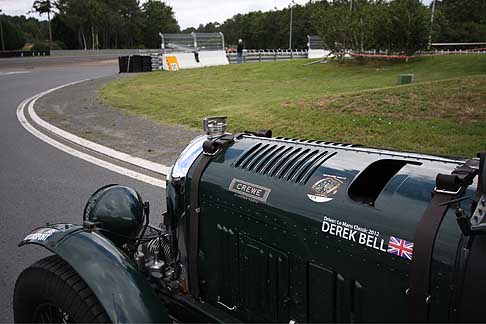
[[194, 50]]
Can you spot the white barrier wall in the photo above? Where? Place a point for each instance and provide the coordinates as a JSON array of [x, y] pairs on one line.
[[185, 60], [317, 53], [213, 58], [206, 58]]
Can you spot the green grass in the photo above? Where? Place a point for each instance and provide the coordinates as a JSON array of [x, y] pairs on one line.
[[444, 112]]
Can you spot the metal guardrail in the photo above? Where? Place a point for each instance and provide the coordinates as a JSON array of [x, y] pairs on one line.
[[267, 55], [432, 52], [104, 52], [4, 54]]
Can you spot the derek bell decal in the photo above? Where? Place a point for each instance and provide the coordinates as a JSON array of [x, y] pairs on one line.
[[249, 190], [368, 237]]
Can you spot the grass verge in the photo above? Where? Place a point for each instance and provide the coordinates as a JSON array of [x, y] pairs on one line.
[[444, 113]]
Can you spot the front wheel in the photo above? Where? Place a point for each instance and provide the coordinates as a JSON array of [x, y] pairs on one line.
[[50, 291]]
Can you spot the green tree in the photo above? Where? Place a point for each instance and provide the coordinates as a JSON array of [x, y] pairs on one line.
[[408, 27], [13, 37], [102, 23], [63, 33], [460, 21], [42, 7], [398, 25], [158, 17]]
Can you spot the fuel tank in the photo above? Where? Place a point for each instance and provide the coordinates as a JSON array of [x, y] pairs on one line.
[[312, 231]]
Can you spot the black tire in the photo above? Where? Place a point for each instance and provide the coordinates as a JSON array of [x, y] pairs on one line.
[[50, 291]]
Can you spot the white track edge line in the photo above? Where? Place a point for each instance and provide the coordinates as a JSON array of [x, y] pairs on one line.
[[130, 159], [104, 164], [14, 72]]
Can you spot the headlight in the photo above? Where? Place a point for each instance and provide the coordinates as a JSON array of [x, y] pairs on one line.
[[187, 158]]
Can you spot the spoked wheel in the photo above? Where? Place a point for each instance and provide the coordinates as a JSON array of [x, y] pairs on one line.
[[50, 291], [48, 313]]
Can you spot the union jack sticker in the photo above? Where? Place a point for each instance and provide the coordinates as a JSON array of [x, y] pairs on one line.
[[400, 247]]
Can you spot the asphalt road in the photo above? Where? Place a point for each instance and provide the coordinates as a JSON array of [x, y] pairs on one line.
[[39, 183]]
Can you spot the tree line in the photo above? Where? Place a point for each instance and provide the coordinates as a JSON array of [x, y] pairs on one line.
[[394, 25], [360, 25], [94, 24]]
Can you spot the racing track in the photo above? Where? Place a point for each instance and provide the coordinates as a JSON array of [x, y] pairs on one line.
[[38, 182]]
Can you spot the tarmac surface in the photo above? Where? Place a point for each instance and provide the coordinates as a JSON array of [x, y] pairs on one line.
[[38, 182]]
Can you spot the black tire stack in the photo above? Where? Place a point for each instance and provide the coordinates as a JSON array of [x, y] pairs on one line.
[[135, 64]]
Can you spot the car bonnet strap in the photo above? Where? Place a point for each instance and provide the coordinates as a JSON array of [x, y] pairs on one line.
[[211, 149], [448, 189]]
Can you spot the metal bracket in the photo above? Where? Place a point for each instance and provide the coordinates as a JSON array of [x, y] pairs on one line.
[[225, 306], [476, 224], [447, 192]]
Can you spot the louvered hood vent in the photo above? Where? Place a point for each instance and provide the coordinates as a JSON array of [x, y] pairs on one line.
[[288, 162]]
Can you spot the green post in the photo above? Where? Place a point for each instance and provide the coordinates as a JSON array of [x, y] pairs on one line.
[[406, 78]]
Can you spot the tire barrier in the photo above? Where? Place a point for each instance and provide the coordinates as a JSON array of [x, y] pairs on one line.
[[135, 63]]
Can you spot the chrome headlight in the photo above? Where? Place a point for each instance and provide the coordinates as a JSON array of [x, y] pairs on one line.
[[187, 158]]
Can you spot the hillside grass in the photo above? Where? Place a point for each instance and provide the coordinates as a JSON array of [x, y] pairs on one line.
[[444, 112]]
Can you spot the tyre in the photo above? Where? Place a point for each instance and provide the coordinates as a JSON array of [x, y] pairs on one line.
[[50, 291]]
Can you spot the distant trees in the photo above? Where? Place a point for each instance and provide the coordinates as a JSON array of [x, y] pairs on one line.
[[100, 23], [157, 17], [266, 29], [45, 7], [460, 21], [398, 25], [96, 24], [395, 25], [13, 37], [32, 30], [408, 26]]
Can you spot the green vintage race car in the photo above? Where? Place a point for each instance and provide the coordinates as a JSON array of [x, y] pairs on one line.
[[262, 229]]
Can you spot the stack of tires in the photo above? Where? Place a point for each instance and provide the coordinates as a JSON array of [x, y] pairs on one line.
[[134, 64]]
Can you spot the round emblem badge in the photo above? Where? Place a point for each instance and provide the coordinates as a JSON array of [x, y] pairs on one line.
[[325, 188]]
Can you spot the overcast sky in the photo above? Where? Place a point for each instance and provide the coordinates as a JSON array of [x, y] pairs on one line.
[[188, 12]]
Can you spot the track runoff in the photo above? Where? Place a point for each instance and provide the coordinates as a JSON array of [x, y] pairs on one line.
[[102, 156]]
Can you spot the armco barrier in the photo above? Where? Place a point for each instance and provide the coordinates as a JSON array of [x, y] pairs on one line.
[[267, 55], [104, 52]]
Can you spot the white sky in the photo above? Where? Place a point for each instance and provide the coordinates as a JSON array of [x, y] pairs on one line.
[[189, 13]]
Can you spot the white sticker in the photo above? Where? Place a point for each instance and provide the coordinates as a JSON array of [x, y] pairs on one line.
[[41, 234], [319, 199], [354, 233]]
